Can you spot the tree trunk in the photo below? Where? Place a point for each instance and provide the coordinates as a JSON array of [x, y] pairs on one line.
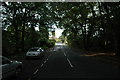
[[115, 27], [102, 25], [23, 31], [23, 35], [16, 30]]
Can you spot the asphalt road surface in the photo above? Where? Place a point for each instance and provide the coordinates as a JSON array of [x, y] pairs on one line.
[[63, 62]]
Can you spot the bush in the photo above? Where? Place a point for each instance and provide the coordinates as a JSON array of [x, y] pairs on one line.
[[45, 47], [51, 43]]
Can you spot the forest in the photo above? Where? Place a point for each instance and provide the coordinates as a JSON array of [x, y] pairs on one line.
[[87, 25]]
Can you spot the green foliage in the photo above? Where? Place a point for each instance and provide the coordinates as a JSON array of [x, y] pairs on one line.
[[51, 43], [86, 25], [19, 22], [7, 43], [90, 25]]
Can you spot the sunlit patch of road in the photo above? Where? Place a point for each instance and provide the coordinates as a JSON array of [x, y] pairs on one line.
[[97, 54], [59, 43], [57, 48]]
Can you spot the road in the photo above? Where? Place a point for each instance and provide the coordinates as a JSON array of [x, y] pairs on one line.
[[64, 62]]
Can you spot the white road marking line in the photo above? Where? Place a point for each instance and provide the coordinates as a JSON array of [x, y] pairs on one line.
[[36, 71], [44, 61], [47, 58], [64, 54], [41, 65], [70, 63]]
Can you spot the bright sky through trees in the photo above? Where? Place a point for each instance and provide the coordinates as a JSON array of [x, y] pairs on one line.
[[58, 32]]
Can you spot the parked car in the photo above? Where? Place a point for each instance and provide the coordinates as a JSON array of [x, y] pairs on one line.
[[35, 52], [10, 67]]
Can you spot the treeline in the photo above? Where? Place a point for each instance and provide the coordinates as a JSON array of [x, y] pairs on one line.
[[19, 21], [90, 25]]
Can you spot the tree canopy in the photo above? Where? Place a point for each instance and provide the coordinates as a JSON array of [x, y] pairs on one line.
[[87, 25]]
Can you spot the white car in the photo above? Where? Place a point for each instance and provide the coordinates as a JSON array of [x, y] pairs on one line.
[[34, 52], [10, 67]]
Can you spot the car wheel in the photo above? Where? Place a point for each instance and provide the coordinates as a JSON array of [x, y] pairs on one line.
[[18, 71]]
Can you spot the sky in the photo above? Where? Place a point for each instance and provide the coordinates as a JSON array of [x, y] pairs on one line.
[[58, 32]]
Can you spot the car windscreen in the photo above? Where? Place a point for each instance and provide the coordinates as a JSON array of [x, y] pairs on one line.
[[33, 49]]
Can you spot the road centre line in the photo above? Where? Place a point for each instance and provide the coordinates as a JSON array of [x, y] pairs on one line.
[[70, 63], [45, 61], [36, 71], [41, 65], [64, 54], [38, 68]]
